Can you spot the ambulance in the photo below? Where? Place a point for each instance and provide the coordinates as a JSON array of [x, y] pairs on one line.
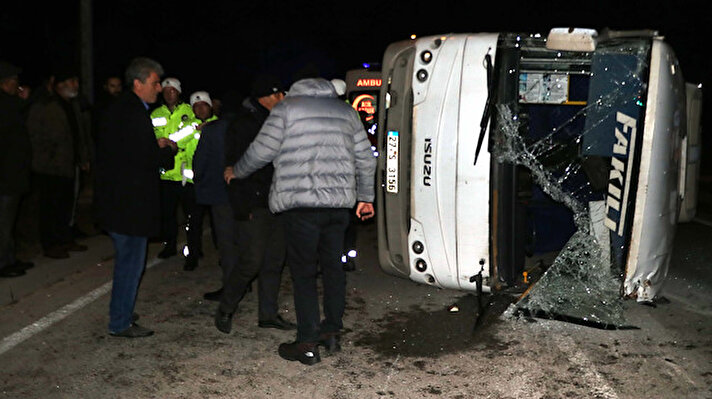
[[363, 87]]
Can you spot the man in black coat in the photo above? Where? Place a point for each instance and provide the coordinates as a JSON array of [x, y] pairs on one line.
[[15, 155], [260, 236], [128, 159]]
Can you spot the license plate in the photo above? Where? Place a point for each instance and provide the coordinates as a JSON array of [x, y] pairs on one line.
[[392, 162]]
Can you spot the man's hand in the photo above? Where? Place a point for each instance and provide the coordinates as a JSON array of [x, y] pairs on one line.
[[164, 142], [364, 210], [24, 92], [229, 174]]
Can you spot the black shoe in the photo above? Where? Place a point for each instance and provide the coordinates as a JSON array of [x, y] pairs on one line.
[[330, 341], [134, 331], [191, 262], [213, 295], [167, 252], [56, 252], [12, 271], [278, 322], [304, 352], [78, 233], [75, 247], [23, 265], [223, 321]]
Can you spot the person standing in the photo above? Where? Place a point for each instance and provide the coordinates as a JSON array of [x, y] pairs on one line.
[[211, 191], [187, 140], [260, 236], [173, 118], [83, 110], [111, 90], [15, 156], [58, 148], [323, 166], [127, 187], [112, 86]]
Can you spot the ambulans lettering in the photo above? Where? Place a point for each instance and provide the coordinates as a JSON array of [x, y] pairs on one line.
[[619, 175], [427, 162], [369, 83]]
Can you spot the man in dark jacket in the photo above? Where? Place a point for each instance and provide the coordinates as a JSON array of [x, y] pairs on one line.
[[260, 243], [59, 145], [323, 165], [211, 190], [128, 160], [15, 156]]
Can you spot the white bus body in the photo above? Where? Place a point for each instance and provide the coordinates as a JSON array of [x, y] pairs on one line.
[[444, 220]]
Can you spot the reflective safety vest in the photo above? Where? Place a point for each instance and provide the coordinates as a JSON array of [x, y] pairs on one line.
[[187, 140], [168, 124]]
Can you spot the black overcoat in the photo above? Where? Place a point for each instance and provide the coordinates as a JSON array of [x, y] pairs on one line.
[[128, 162], [15, 150]]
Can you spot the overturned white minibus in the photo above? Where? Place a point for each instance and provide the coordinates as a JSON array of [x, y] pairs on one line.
[[498, 147]]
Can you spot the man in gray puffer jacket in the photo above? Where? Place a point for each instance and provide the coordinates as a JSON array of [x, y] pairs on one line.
[[323, 166]]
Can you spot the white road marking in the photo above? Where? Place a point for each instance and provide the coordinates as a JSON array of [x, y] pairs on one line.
[[594, 379], [17, 338]]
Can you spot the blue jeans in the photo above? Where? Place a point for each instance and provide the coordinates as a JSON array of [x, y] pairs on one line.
[[129, 262]]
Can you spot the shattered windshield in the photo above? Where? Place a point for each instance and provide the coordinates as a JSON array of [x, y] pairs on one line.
[[568, 127]]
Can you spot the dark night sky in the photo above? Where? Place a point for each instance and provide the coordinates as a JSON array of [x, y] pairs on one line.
[[219, 45]]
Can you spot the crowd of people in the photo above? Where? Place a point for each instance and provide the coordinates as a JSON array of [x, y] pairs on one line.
[[293, 163], [47, 138]]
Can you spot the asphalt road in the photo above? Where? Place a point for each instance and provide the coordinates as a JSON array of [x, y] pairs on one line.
[[401, 341]]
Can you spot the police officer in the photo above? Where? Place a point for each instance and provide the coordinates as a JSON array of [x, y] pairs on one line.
[[187, 140], [174, 120], [202, 106]]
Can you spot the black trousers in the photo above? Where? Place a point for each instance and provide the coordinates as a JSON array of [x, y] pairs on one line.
[[173, 193], [9, 203], [316, 236], [56, 201], [226, 236], [261, 248]]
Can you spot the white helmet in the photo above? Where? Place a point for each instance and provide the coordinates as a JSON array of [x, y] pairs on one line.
[[171, 82], [199, 96]]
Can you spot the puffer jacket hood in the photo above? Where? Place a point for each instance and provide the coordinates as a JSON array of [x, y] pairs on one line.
[[312, 87], [319, 149]]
